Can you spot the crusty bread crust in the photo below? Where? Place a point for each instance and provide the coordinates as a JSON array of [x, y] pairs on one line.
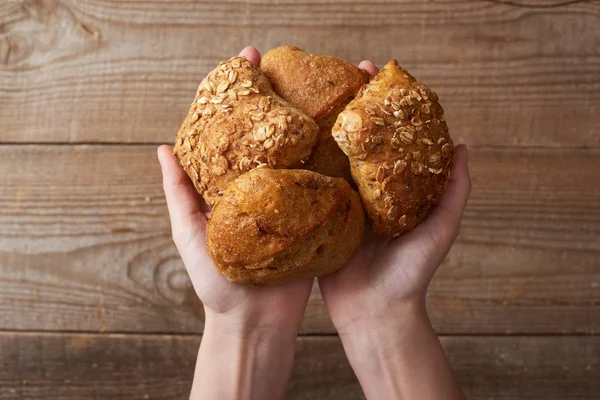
[[400, 151], [237, 123], [313, 83], [327, 158], [275, 226], [321, 86]]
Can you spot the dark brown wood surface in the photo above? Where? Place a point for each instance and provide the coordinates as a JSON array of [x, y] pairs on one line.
[[86, 366], [84, 231], [508, 72], [85, 246]]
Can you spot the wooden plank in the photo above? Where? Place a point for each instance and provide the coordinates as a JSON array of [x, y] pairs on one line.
[[85, 237], [356, 13], [84, 366], [530, 236], [508, 72], [526, 367], [85, 245]]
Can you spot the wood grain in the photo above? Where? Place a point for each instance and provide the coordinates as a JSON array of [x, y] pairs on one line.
[[357, 13], [84, 366], [85, 245], [508, 72], [84, 233]]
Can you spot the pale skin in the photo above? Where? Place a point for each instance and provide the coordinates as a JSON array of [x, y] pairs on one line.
[[377, 303]]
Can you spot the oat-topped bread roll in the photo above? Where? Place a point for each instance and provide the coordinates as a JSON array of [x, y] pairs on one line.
[[321, 86], [400, 151], [274, 226], [236, 123]]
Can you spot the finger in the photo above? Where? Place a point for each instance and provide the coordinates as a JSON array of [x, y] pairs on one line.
[[369, 67], [183, 202], [445, 219], [251, 55]]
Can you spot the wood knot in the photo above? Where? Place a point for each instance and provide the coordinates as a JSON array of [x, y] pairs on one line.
[[39, 32]]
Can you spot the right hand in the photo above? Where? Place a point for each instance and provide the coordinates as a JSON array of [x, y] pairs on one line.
[[388, 276]]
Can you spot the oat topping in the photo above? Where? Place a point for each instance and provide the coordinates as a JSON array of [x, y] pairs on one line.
[[237, 123], [406, 122]]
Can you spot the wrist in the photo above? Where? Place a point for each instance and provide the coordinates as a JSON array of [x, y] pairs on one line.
[[382, 318], [400, 357], [374, 343], [378, 335], [251, 328], [247, 360]]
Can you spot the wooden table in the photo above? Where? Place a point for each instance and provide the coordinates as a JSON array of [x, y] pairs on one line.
[[94, 300]]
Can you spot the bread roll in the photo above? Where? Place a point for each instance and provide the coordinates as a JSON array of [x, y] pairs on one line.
[[321, 86], [396, 137], [275, 226], [236, 123]]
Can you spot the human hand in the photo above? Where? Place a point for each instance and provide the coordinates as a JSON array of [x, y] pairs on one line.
[[388, 275], [242, 324], [279, 308], [377, 302]]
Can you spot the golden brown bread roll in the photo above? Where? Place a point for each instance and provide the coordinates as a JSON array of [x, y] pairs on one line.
[[236, 123], [275, 226], [327, 158], [400, 151], [313, 83], [321, 86]]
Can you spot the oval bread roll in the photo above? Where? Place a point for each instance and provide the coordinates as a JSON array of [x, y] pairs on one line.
[[321, 86], [275, 226], [236, 123], [396, 137]]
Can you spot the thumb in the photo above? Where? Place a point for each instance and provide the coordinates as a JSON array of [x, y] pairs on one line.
[[188, 222]]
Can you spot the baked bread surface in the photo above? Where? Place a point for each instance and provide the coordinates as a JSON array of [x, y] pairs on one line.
[[400, 151], [327, 158], [236, 123], [321, 86], [275, 226]]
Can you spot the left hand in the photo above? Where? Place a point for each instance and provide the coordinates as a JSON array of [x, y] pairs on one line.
[[277, 308], [247, 346]]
